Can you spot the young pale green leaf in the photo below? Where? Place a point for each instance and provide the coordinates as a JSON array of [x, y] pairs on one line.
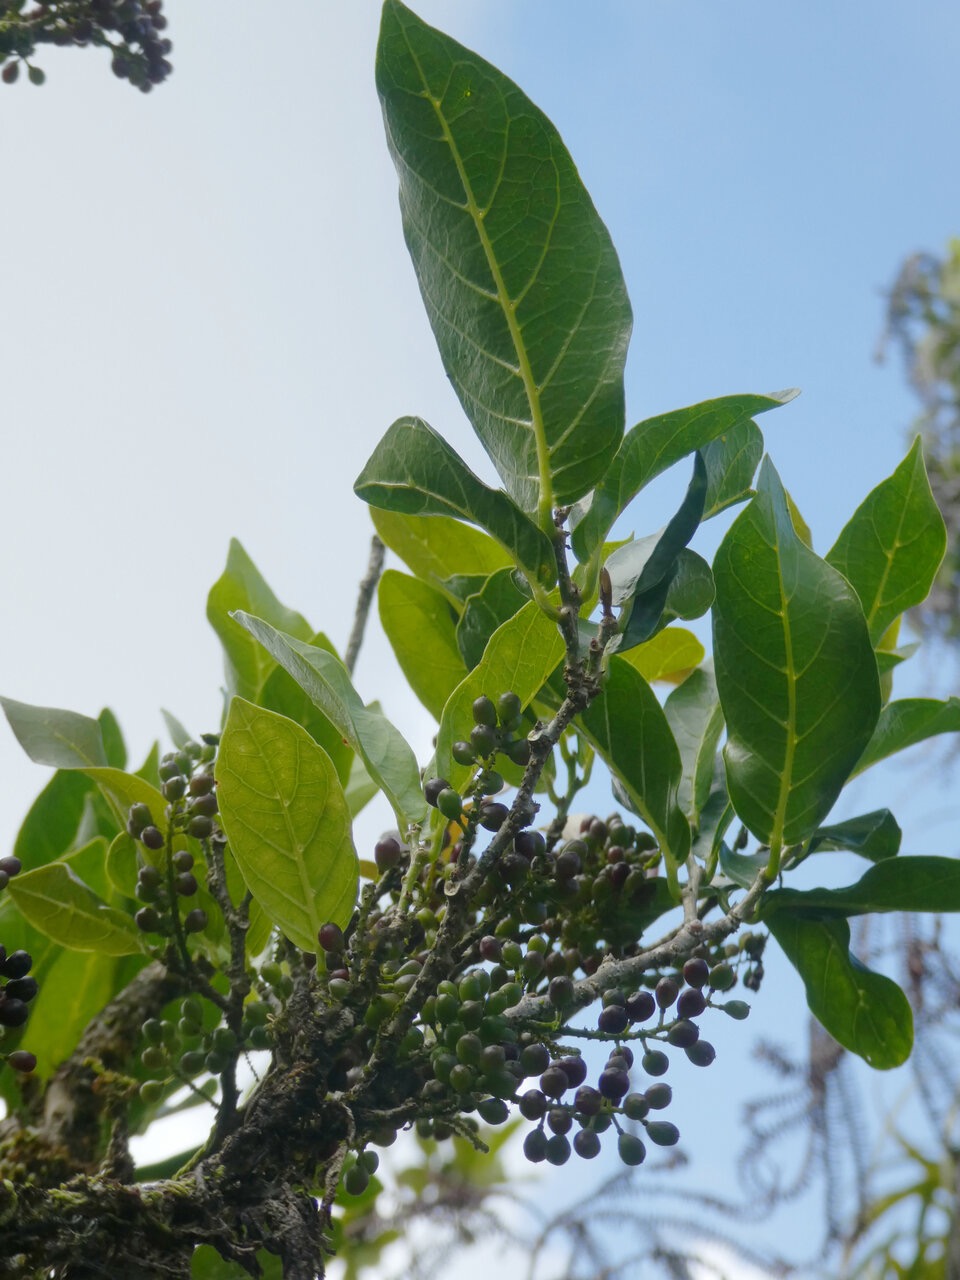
[[628, 729], [906, 722], [483, 611], [519, 658], [415, 472], [920, 883], [57, 903], [242, 586], [731, 461], [795, 672], [891, 547], [287, 822], [282, 694], [693, 714], [518, 274], [51, 825], [865, 1012], [387, 755], [50, 736], [873, 835], [422, 629], [648, 449], [436, 548], [742, 868], [179, 735], [122, 865], [670, 655]]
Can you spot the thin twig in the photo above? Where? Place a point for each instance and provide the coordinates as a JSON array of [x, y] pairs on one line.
[[364, 596]]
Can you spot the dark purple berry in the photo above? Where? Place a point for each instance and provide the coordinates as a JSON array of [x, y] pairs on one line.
[[17, 964], [559, 1120], [386, 852], [24, 989], [195, 921], [432, 788], [13, 1013], [666, 991], [206, 806], [490, 948], [612, 1020], [535, 1058], [614, 1083], [152, 837], [493, 814], [586, 1144], [560, 991], [683, 1034], [557, 1149], [574, 1068], [185, 884], [11, 866], [200, 827], [691, 1003], [702, 1053], [23, 1061], [640, 1006], [535, 1146], [148, 920], [138, 818], [530, 843], [696, 972], [330, 937], [554, 1082], [588, 1101], [533, 1104]]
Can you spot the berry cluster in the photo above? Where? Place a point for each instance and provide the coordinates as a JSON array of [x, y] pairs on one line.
[[188, 784], [132, 29], [191, 1041], [493, 734]]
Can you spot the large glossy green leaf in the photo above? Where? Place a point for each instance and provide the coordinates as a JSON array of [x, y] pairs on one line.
[[387, 755], [693, 714], [113, 744], [518, 274], [287, 822], [60, 905], [731, 461], [920, 883], [795, 672], [628, 728], [50, 736], [648, 449], [865, 1012], [414, 471], [242, 586], [891, 547], [906, 722], [873, 835], [483, 611], [436, 548], [422, 630], [520, 656]]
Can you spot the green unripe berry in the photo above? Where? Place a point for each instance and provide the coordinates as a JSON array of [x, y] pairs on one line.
[[509, 708], [738, 1009], [663, 1133], [151, 1091], [153, 1058], [722, 977], [630, 1149], [370, 1161], [356, 1180], [493, 1111], [463, 753], [153, 1031], [484, 740], [272, 973], [450, 803], [484, 712]]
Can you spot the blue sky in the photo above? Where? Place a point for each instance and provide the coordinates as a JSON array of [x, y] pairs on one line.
[[207, 317]]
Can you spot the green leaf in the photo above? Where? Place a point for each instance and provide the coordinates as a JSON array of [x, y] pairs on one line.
[[795, 672], [124, 789], [648, 449], [693, 714], [360, 788], [670, 655], [50, 736], [113, 744], [497, 601], [436, 548], [865, 1012], [518, 274], [920, 883], [742, 868], [520, 656], [731, 461], [629, 730], [51, 825], [122, 865], [287, 822], [414, 471], [422, 630], [57, 903], [891, 547], [241, 586], [386, 754], [282, 694], [873, 835], [906, 722], [206, 1264], [179, 736]]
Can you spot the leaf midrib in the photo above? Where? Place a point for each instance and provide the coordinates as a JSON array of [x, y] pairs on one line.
[[507, 306]]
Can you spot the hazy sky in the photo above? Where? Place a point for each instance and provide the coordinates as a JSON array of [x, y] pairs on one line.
[[207, 317]]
